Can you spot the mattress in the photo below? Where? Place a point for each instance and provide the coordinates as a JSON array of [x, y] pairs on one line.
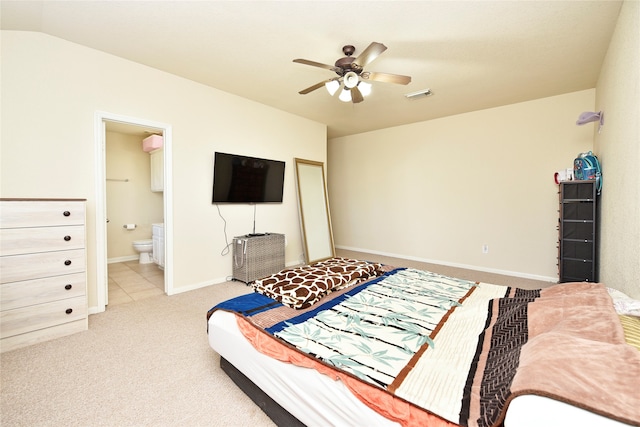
[[317, 400]]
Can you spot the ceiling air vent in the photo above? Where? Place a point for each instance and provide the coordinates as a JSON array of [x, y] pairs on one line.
[[419, 94]]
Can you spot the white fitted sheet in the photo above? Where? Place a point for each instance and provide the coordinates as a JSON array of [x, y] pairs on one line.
[[317, 400]]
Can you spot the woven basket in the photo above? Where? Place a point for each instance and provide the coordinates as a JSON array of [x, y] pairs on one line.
[[255, 257]]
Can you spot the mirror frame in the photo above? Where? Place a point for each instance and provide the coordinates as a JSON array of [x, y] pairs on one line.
[[313, 205]]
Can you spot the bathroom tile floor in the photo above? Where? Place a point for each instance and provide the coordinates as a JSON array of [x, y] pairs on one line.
[[131, 281]]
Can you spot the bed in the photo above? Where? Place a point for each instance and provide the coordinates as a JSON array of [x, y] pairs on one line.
[[349, 342]]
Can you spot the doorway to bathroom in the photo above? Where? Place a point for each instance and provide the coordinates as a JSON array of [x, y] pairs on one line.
[[133, 247]]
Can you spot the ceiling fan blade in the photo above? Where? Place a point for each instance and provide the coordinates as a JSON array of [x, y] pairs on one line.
[[315, 64], [314, 87], [369, 54], [386, 78], [356, 95]]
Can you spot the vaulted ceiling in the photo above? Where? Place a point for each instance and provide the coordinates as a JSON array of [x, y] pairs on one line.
[[472, 54]]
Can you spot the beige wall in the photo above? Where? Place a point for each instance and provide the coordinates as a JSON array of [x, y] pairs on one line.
[[618, 148], [51, 90], [440, 190], [130, 202]]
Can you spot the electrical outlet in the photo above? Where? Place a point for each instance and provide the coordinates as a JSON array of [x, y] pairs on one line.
[[485, 249]]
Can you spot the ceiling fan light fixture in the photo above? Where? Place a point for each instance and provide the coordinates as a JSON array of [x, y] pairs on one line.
[[365, 88], [351, 79], [345, 95], [332, 86], [349, 84]]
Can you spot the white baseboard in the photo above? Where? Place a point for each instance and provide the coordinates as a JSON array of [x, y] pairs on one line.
[[452, 264], [123, 259], [214, 282]]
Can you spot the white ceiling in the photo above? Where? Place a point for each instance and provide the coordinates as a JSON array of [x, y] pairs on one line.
[[472, 55]]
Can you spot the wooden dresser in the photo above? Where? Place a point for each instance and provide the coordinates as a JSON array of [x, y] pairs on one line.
[[42, 270]]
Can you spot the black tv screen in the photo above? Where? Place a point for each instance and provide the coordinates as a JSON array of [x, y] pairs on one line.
[[242, 179]]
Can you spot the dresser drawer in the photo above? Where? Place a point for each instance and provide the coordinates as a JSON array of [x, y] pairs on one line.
[[32, 213], [15, 241], [38, 291], [47, 264], [27, 319], [39, 335]]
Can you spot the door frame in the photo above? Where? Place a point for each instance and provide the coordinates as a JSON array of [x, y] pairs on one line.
[[102, 281]]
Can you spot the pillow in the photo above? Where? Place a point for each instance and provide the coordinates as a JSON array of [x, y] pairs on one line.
[[301, 287], [623, 303]]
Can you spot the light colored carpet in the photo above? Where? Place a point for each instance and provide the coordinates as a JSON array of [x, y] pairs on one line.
[[146, 363]]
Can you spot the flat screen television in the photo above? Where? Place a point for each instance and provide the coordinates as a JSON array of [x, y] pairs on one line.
[[243, 179]]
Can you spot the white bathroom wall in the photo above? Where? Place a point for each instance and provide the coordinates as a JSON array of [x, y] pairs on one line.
[[130, 202]]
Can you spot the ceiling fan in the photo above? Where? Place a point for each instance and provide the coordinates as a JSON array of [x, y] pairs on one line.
[[351, 74]]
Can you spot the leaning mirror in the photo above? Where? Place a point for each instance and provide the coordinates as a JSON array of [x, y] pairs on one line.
[[314, 211]]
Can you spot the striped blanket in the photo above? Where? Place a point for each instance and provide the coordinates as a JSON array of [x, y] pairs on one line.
[[459, 349]]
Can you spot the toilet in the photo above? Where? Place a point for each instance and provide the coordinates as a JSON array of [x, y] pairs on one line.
[[144, 248]]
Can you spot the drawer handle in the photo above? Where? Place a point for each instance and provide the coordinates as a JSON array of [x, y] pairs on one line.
[[69, 310], [67, 287], [66, 213], [67, 262], [67, 238]]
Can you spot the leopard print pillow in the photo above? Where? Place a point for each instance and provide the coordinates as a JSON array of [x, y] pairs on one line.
[[301, 287]]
